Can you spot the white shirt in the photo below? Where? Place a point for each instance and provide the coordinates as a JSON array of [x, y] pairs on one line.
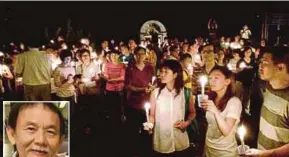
[[93, 69], [218, 145], [169, 109]]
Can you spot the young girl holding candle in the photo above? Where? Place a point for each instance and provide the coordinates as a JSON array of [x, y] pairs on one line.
[[167, 112], [223, 115]]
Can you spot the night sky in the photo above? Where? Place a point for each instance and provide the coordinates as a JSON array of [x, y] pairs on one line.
[[122, 20]]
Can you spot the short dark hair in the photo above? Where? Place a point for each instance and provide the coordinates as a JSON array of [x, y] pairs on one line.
[[185, 56], [82, 51], [114, 51], [64, 54], [16, 108], [136, 51], [280, 54]]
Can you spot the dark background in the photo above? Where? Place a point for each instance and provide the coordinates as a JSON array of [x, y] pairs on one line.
[[123, 20]]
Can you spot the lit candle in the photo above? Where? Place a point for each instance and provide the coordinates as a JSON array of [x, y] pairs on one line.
[[242, 65], [85, 80], [82, 41], [197, 58], [190, 69], [147, 107], [123, 59], [203, 81], [52, 41], [242, 133], [116, 48], [93, 55], [72, 63], [153, 79], [229, 65]]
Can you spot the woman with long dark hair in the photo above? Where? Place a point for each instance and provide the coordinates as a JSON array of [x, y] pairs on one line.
[[223, 114], [168, 112]]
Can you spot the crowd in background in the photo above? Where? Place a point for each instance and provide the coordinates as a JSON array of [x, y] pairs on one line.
[[118, 78]]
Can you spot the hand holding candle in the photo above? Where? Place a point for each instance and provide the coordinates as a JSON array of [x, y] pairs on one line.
[[243, 148], [147, 107]]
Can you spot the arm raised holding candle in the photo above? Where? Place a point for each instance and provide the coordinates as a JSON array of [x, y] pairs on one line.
[[234, 111]]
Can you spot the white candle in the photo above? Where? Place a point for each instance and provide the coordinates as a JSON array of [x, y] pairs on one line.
[[123, 59], [153, 79], [147, 107], [203, 81], [190, 69], [242, 133]]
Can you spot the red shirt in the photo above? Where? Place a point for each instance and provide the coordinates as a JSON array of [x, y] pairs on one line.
[[114, 71], [139, 78]]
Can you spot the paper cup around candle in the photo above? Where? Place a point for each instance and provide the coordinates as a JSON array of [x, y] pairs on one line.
[[202, 98], [242, 149]]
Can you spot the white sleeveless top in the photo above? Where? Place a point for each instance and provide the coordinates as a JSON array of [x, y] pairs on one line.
[[169, 109]]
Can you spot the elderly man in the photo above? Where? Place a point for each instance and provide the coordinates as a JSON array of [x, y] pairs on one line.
[[35, 129]]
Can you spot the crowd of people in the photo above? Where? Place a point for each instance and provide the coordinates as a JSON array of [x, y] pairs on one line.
[[248, 83]]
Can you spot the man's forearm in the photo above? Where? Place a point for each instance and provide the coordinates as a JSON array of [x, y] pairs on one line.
[[281, 151]]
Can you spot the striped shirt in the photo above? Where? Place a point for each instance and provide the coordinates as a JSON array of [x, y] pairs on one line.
[[114, 71], [274, 122]]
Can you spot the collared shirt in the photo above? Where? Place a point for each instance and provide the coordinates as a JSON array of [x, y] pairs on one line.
[[139, 78], [34, 67], [169, 109]]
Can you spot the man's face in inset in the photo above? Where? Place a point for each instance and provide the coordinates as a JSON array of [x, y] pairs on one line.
[[37, 132]]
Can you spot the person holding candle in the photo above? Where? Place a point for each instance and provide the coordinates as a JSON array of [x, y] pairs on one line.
[[138, 83], [114, 74], [125, 56], [167, 112], [90, 77], [273, 138], [223, 111], [63, 81]]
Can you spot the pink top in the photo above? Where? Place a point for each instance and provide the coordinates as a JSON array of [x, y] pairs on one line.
[[114, 71]]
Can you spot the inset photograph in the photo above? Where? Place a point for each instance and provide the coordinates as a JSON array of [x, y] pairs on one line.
[[33, 128]]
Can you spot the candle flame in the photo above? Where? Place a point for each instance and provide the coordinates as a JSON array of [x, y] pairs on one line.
[[85, 80], [147, 106], [242, 132], [203, 80], [242, 65], [153, 79]]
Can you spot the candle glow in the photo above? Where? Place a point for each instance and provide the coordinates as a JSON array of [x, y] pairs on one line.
[[190, 69], [153, 79], [203, 81], [242, 65], [147, 107], [242, 133]]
